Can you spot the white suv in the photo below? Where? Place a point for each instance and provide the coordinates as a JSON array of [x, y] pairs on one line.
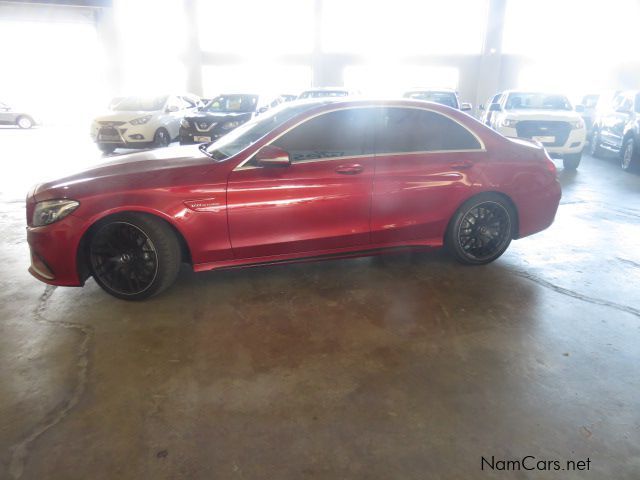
[[545, 117], [142, 122]]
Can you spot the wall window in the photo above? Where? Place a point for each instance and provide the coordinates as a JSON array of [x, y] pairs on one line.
[[415, 130], [403, 27], [335, 134], [389, 79], [256, 28]]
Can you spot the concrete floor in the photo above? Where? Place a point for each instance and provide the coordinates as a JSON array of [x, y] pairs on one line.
[[402, 367]]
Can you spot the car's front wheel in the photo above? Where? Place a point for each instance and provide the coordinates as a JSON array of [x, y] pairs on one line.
[[594, 145], [24, 122], [161, 138], [571, 161], [629, 155], [134, 256], [106, 148], [481, 229]]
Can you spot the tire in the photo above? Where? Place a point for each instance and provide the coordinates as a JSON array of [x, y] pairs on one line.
[[629, 155], [106, 149], [161, 138], [571, 161], [24, 122], [594, 146], [481, 229], [133, 256]]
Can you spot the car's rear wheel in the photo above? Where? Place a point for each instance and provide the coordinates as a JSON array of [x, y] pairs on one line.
[[106, 149], [481, 229], [161, 138], [571, 161], [24, 122], [594, 146], [628, 155], [134, 256]]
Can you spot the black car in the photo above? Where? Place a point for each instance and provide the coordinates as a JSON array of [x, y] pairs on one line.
[[618, 130], [219, 117]]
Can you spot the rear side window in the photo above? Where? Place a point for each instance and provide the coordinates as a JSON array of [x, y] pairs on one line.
[[415, 130], [342, 133]]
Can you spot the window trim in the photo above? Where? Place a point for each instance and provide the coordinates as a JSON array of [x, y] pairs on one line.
[[241, 165]]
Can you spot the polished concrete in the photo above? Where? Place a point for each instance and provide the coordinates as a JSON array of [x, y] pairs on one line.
[[400, 367]]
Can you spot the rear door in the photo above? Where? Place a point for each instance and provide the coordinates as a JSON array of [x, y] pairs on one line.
[[613, 121], [425, 164], [320, 202]]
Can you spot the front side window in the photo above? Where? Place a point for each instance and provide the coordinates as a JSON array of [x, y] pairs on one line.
[[405, 130], [342, 133]]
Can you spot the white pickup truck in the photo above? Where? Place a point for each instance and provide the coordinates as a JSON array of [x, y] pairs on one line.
[[545, 117]]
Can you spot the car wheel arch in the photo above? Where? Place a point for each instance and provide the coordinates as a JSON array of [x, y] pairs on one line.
[[82, 266]]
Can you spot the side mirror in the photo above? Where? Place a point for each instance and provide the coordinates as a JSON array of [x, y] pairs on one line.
[[272, 156], [465, 107], [579, 108], [481, 107], [495, 107], [172, 108]]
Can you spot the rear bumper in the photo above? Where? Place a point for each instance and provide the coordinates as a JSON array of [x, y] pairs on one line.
[[538, 210], [54, 250]]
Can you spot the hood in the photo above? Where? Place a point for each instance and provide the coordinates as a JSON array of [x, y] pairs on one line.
[[166, 167], [533, 114], [123, 116]]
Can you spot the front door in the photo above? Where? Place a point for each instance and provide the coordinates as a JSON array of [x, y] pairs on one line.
[[320, 202]]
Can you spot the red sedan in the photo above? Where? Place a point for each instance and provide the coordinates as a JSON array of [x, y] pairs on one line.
[[309, 180]]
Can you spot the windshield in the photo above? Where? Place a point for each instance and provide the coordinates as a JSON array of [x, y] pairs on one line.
[[143, 104], [323, 93], [252, 131], [444, 98], [232, 103], [538, 101]]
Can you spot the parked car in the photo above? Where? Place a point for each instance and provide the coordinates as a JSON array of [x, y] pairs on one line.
[[446, 97], [20, 118], [546, 117], [487, 113], [142, 122], [307, 180], [618, 130], [223, 114], [325, 92]]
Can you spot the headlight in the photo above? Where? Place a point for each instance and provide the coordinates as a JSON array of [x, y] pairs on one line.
[[510, 123], [231, 125], [51, 211], [184, 123], [141, 120], [576, 125]]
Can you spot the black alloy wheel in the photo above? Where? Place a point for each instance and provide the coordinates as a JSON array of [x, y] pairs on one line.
[[134, 256], [481, 230]]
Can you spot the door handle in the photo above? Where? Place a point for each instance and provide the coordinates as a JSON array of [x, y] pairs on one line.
[[350, 169], [461, 165]]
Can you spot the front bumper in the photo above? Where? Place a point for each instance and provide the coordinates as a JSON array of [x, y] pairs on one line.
[[190, 136], [574, 144], [54, 250], [126, 136]]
